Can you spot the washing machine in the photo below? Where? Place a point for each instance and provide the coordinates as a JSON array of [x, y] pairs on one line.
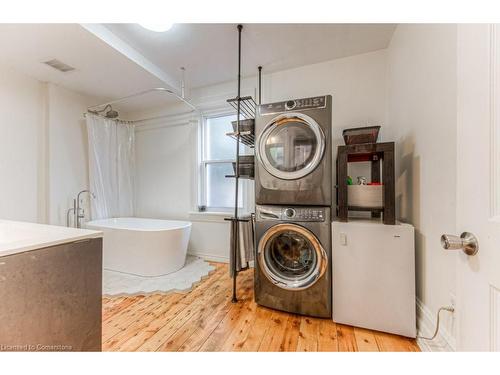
[[294, 152], [293, 262]]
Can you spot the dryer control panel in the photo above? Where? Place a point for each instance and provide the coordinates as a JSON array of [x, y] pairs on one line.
[[290, 105], [295, 214]]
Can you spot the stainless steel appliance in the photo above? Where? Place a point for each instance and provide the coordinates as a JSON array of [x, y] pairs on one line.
[[293, 262], [293, 150]]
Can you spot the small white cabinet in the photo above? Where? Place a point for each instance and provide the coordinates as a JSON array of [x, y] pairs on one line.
[[374, 276]]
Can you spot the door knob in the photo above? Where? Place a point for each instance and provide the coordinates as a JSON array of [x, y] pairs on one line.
[[466, 242]]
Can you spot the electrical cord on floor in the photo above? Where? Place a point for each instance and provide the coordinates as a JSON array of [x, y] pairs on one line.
[[447, 308]]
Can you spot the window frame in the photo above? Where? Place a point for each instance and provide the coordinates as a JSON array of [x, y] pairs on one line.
[[203, 163]]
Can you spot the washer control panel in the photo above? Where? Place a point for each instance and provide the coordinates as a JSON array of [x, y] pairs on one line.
[[295, 214], [289, 105], [304, 214]]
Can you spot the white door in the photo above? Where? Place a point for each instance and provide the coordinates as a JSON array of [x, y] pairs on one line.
[[478, 185]]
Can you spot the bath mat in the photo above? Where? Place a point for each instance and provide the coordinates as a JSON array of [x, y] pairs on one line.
[[119, 284]]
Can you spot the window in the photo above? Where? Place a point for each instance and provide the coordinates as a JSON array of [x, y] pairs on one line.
[[218, 152]]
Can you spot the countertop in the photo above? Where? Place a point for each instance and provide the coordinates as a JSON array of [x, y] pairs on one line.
[[17, 236]]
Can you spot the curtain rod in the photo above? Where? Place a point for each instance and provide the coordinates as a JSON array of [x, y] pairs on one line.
[[141, 120], [160, 89], [92, 109]]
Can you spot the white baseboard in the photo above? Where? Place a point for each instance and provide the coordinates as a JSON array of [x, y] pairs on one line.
[[215, 258], [209, 257], [426, 324]]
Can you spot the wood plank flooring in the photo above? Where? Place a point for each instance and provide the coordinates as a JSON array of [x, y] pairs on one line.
[[204, 319]]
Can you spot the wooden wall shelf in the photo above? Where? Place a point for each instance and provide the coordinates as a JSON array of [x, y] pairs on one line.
[[380, 155]]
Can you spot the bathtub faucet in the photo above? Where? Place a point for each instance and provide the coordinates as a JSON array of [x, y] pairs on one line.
[[80, 212]]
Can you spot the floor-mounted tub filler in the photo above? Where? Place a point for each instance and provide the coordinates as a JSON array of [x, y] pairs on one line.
[[143, 247]]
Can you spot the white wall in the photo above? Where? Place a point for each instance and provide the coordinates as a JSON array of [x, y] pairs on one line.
[[422, 113], [43, 148], [166, 151], [166, 183], [21, 126], [165, 157], [68, 150]]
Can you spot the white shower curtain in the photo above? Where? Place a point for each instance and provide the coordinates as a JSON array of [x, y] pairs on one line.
[[111, 167]]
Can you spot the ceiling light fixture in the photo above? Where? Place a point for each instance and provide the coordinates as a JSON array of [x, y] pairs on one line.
[[157, 27]]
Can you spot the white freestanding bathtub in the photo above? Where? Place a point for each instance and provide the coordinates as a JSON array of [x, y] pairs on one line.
[[144, 247]]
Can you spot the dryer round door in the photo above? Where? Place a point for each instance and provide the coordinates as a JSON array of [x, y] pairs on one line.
[[291, 257], [291, 146]]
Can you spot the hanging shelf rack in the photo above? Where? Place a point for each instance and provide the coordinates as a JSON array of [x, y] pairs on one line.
[[245, 110], [247, 106], [247, 138]]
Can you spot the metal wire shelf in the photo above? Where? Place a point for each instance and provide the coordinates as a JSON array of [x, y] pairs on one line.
[[247, 138], [247, 106]]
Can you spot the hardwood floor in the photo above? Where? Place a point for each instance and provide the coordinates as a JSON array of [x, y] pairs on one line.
[[204, 319]]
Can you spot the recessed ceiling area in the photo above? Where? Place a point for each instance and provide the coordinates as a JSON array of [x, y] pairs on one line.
[[209, 51]]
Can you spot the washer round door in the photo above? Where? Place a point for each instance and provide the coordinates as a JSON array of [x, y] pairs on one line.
[[291, 146], [291, 257]]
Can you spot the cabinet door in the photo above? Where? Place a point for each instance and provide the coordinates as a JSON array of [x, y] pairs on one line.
[[51, 298]]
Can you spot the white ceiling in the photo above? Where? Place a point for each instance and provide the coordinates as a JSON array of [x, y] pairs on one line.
[[209, 51], [100, 71], [145, 59]]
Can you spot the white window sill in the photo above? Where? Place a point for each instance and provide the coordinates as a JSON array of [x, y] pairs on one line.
[[208, 216], [211, 216]]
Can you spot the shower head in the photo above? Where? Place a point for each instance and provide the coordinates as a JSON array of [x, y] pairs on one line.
[[112, 113]]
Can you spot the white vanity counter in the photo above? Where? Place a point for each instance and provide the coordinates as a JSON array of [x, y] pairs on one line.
[[17, 237]]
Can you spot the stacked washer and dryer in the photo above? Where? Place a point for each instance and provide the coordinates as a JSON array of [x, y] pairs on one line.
[[293, 196], [372, 263]]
